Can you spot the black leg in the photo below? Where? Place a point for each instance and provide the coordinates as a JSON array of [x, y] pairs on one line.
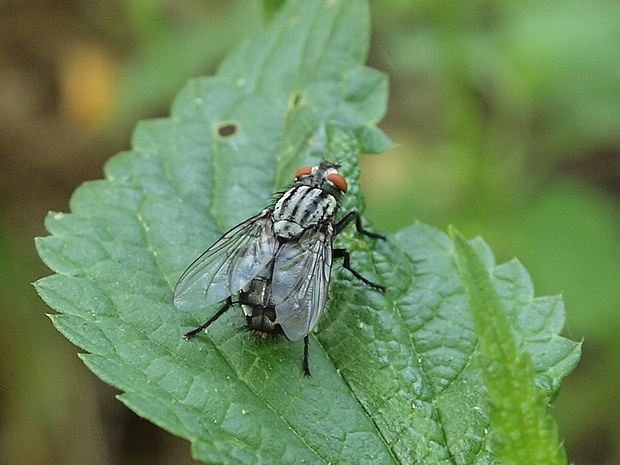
[[355, 215], [305, 362], [200, 328], [344, 253]]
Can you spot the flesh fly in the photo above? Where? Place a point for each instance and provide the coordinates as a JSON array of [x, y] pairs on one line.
[[277, 265]]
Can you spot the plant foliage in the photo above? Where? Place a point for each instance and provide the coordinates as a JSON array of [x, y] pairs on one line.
[[397, 377]]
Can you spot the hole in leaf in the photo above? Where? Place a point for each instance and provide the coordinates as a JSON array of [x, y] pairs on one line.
[[227, 129]]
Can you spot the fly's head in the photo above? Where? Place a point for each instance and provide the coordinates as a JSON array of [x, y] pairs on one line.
[[324, 176]]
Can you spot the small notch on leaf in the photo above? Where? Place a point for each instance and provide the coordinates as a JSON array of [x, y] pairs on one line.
[[297, 100]]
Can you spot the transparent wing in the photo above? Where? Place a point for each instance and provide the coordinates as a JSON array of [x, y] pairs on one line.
[[228, 265], [300, 282]]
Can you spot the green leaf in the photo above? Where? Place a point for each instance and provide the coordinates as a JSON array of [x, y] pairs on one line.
[[395, 378], [523, 433]]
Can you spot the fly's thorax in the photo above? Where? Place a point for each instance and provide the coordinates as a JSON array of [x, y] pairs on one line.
[[300, 208]]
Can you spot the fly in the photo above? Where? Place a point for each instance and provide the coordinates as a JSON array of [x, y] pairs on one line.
[[277, 264]]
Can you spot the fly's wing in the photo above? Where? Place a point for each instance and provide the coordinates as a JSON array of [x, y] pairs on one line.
[[300, 281], [228, 265]]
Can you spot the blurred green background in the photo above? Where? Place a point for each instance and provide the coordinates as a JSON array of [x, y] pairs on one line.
[[507, 116]]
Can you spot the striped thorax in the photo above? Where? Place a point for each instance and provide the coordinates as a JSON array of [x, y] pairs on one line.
[[312, 201]]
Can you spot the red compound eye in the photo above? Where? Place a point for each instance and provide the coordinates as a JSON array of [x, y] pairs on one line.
[[303, 171], [338, 181]]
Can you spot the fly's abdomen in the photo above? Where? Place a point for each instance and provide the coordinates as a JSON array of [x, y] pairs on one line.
[[258, 291], [257, 303], [300, 208], [261, 319]]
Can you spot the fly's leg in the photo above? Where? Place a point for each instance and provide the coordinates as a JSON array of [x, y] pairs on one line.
[[355, 215], [305, 362], [200, 328], [344, 253]]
